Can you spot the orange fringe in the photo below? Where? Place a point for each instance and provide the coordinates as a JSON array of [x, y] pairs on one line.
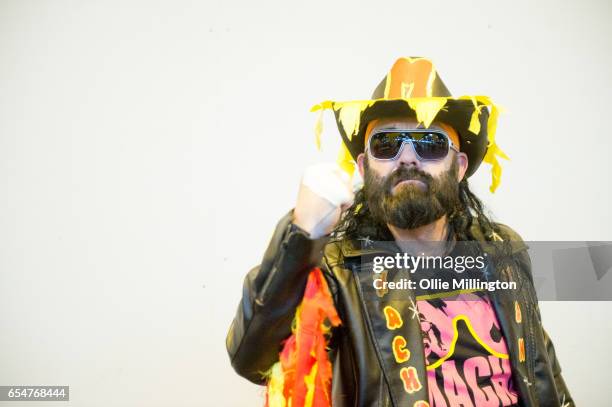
[[302, 377]]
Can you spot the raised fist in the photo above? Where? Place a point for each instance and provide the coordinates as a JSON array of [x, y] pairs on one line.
[[326, 190]]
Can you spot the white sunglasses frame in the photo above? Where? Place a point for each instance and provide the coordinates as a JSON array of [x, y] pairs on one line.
[[451, 145]]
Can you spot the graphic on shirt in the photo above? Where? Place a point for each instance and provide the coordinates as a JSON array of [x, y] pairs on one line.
[[466, 355]]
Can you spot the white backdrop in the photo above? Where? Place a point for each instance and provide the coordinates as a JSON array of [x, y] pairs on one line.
[[147, 149]]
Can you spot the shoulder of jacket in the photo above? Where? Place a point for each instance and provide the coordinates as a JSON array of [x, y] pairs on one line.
[[507, 233], [332, 252], [503, 235]]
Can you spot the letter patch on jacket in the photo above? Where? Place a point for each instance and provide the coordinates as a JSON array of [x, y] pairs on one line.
[[410, 379], [394, 319], [401, 353]]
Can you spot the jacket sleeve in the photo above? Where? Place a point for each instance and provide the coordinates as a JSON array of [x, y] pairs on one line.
[[562, 392], [271, 293], [524, 263]]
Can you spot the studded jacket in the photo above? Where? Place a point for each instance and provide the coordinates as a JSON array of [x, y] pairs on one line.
[[365, 372]]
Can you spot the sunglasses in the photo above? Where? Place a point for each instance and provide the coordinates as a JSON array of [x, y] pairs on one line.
[[428, 144]]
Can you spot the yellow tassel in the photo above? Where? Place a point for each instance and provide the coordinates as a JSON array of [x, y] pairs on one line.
[[474, 120], [345, 160], [310, 385], [319, 129], [327, 104], [494, 151], [275, 387], [350, 115], [426, 108]]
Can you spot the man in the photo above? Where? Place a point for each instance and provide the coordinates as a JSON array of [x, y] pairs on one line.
[[414, 146]]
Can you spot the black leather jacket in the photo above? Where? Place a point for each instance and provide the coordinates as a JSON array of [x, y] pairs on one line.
[[362, 359]]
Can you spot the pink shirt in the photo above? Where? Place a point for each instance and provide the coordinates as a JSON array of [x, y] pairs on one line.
[[465, 351]]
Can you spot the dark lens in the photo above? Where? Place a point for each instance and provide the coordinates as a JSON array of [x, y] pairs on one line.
[[385, 146], [430, 145]]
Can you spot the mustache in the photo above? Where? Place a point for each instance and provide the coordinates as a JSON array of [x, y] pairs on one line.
[[405, 174]]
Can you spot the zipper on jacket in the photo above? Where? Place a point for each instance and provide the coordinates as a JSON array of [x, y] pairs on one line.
[[383, 394]]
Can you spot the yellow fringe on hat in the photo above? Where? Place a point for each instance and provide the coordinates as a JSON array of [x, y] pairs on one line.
[[345, 160], [492, 153], [319, 123], [426, 110]]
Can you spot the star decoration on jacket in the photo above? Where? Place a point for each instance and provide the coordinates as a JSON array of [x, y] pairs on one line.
[[367, 242], [486, 272], [413, 308], [496, 237], [527, 381], [564, 403]]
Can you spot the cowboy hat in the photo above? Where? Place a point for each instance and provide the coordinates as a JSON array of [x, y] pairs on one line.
[[413, 88]]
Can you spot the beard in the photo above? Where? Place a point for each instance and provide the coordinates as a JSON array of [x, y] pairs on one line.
[[410, 206]]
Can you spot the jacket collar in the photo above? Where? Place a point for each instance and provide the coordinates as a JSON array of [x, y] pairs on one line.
[[365, 246]]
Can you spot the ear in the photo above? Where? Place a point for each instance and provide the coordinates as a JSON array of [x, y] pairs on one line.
[[360, 164], [462, 160]]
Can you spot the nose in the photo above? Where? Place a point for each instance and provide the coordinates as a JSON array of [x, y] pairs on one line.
[[408, 157]]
